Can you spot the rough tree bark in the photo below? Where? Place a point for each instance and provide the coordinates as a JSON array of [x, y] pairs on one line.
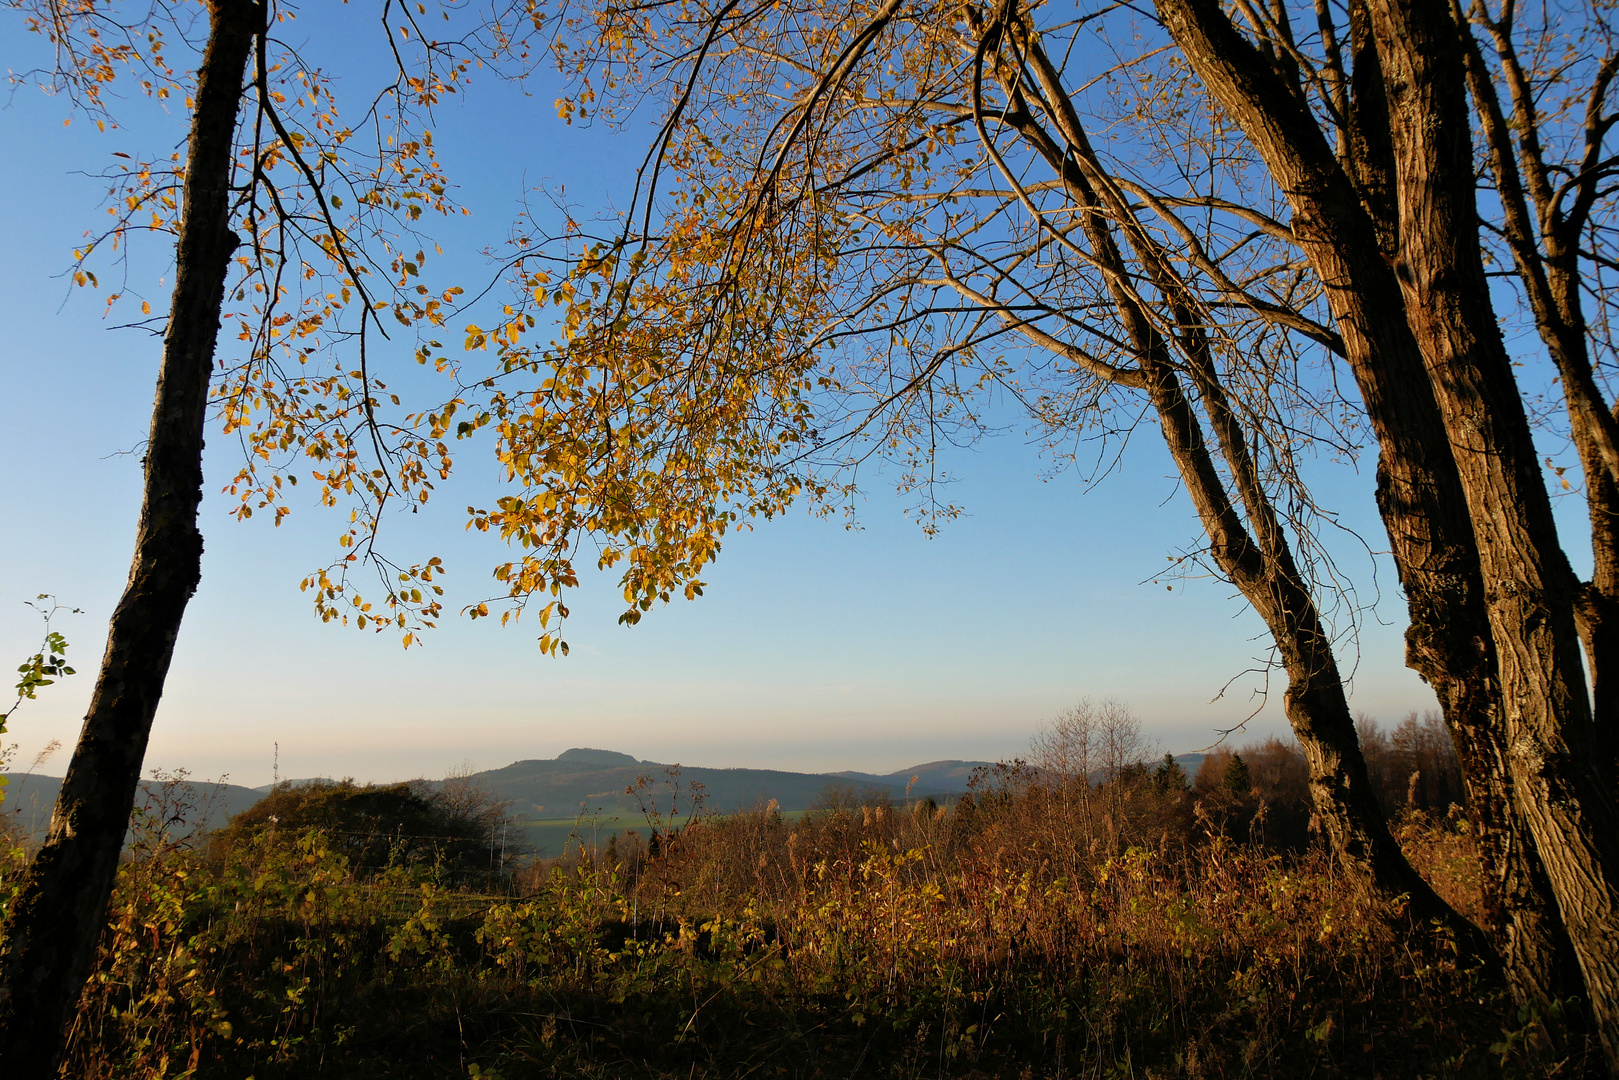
[[1561, 780], [1448, 332], [1449, 641], [57, 917], [1345, 219], [1542, 222]]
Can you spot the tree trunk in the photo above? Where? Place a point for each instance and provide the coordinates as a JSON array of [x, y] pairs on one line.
[[1316, 706], [1343, 227], [1259, 562], [1449, 641], [1560, 780], [1599, 606], [57, 918], [1548, 257]]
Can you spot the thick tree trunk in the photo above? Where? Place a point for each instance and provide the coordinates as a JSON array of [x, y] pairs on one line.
[[1561, 782], [1449, 641], [57, 918], [1345, 227], [1259, 562], [1599, 606]]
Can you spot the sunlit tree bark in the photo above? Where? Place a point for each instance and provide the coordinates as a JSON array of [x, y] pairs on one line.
[[1430, 295]]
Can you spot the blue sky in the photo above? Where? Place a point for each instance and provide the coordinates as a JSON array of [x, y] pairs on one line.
[[815, 647]]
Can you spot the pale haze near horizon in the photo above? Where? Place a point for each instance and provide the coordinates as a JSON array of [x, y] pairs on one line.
[[815, 648]]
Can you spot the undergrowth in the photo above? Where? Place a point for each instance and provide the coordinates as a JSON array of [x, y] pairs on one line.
[[860, 941]]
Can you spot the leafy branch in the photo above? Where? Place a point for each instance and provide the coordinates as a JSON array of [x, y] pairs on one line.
[[44, 667]]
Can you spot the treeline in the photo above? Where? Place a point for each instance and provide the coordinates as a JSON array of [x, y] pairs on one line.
[[1090, 769], [1265, 785]]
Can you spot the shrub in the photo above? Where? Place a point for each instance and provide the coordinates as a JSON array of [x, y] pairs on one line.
[[452, 827]]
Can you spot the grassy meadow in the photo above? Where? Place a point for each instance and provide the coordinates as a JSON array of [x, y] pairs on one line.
[[1149, 925]]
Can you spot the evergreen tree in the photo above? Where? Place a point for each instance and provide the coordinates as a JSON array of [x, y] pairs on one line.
[[1238, 781], [1169, 777]]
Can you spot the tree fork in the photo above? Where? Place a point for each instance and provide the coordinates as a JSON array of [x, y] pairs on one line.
[[1420, 495], [57, 917], [1263, 566]]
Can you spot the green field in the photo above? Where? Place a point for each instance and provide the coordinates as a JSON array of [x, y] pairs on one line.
[[553, 837]]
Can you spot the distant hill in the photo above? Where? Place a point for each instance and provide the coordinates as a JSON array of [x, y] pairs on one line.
[[953, 776], [581, 786], [1190, 763], [31, 796], [933, 778], [581, 792], [584, 756], [583, 779]]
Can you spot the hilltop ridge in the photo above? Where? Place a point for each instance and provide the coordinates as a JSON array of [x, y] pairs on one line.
[[589, 779], [586, 755]]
